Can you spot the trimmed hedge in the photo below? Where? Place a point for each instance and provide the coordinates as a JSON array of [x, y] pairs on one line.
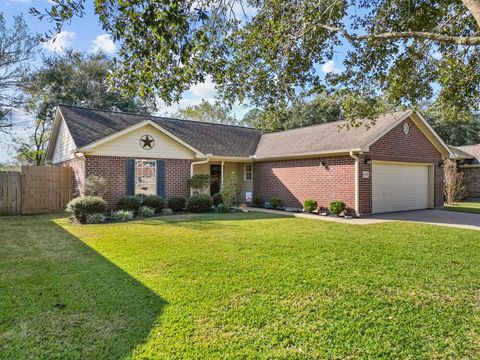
[[199, 203], [217, 199], [336, 207], [275, 202], [131, 203], [83, 206], [155, 202], [310, 206], [177, 203]]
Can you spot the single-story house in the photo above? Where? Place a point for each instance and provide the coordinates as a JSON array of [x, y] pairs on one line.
[[468, 160], [394, 165]]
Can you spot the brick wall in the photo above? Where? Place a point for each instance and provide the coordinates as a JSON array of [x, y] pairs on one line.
[[413, 147], [295, 181], [78, 167], [114, 168], [471, 180]]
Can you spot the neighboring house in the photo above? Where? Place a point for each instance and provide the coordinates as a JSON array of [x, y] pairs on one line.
[[392, 166], [468, 160]]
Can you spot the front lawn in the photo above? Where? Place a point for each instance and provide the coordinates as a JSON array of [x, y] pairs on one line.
[[468, 206], [237, 286]]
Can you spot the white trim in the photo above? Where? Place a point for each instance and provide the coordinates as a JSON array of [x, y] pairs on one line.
[[376, 138], [308, 155], [136, 177], [91, 146], [466, 166], [55, 131], [198, 163], [425, 122]]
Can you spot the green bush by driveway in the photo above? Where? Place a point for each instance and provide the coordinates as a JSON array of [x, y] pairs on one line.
[[237, 286]]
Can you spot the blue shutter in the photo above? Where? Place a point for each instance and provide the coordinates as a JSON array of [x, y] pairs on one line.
[[161, 178], [131, 177]]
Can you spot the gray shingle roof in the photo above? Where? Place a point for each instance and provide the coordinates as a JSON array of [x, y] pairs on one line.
[[467, 152], [87, 126], [323, 137]]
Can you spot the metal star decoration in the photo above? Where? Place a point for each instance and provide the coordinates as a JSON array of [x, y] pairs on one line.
[[147, 142]]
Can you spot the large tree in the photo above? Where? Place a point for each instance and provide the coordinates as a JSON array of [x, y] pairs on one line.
[[267, 52], [73, 78], [17, 47]]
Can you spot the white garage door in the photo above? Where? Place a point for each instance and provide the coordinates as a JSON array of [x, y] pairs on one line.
[[399, 187]]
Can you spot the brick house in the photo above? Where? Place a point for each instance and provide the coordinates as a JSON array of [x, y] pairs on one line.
[[394, 165]]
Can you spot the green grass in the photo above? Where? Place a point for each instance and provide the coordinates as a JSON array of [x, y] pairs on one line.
[[237, 286], [468, 206]]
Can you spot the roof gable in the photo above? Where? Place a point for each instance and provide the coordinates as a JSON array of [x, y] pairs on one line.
[[88, 126]]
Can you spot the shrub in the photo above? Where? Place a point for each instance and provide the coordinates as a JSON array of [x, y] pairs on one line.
[[95, 186], [167, 212], [257, 200], [177, 203], [229, 190], [146, 211], [222, 208], [199, 203], [80, 207], [155, 202], [123, 215], [97, 218], [131, 203], [199, 182], [275, 202], [336, 207], [217, 199], [310, 205]]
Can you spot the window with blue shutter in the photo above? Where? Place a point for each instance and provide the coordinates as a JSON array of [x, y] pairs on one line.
[[161, 178], [131, 177]]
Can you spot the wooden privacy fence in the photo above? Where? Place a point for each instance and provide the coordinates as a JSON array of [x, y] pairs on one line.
[[35, 190]]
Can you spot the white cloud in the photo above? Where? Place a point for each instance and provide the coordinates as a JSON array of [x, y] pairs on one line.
[[60, 42], [103, 43], [329, 67], [204, 90]]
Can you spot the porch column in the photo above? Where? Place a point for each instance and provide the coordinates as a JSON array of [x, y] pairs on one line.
[[223, 168]]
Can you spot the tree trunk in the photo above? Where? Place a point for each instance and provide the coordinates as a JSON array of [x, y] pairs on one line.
[[474, 7]]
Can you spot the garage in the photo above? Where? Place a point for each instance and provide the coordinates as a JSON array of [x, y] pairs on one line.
[[401, 186]]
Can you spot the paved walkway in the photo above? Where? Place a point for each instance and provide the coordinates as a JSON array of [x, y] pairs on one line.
[[432, 217]]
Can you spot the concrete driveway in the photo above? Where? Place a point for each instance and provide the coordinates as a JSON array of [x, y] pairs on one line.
[[435, 217]]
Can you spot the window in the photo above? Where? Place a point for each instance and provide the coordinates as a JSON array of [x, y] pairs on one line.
[[248, 172], [146, 177]]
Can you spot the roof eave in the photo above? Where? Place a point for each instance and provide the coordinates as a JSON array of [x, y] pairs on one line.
[[337, 152]]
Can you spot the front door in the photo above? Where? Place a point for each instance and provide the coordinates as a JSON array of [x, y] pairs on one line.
[[216, 178]]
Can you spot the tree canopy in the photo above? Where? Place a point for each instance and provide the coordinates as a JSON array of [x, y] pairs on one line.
[[17, 47], [73, 78], [267, 52]]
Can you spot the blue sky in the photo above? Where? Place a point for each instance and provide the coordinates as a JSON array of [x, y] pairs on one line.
[[86, 34]]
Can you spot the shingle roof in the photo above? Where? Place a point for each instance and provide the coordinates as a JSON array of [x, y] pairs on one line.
[[467, 152], [87, 126], [323, 138]]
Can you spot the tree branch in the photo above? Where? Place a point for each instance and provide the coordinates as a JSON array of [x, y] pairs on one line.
[[454, 40], [474, 7]]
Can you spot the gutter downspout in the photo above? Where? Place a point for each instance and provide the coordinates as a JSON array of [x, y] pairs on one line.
[[222, 181], [355, 157], [198, 163]]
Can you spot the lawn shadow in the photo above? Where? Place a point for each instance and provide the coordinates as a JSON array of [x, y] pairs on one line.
[[62, 299]]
